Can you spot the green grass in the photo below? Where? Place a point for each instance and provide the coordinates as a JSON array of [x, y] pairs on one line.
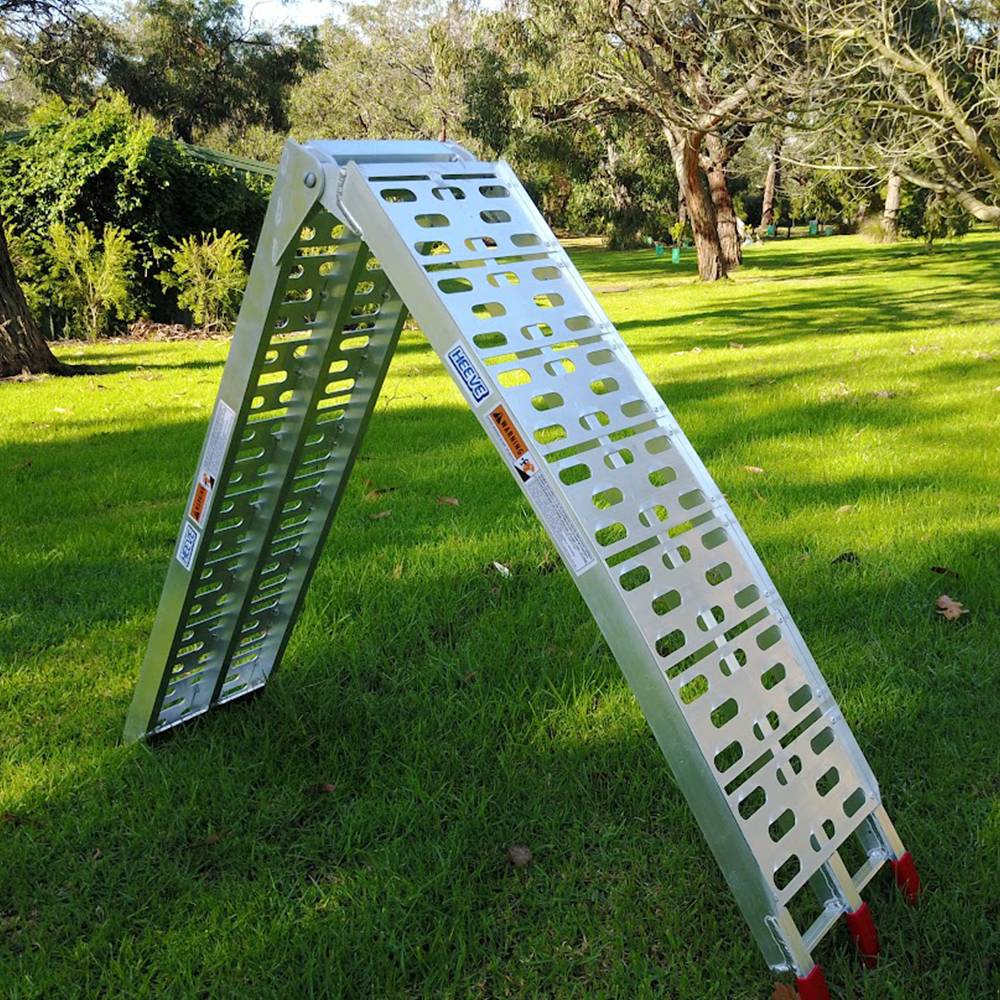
[[459, 711]]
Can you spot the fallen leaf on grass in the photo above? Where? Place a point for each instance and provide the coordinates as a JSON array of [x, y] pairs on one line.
[[949, 608], [378, 491], [884, 394], [983, 356], [734, 346], [782, 991], [321, 788], [447, 501], [846, 557], [846, 509], [381, 514], [15, 820], [753, 468], [943, 571], [398, 571], [518, 855], [214, 838], [501, 569]]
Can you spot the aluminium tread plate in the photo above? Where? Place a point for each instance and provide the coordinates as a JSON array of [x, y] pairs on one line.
[[356, 236]]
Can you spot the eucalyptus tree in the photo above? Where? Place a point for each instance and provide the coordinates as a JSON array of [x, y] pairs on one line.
[[706, 72], [388, 69], [913, 90], [27, 25], [196, 65]]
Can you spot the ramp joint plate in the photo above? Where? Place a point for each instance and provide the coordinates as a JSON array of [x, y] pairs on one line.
[[298, 187]]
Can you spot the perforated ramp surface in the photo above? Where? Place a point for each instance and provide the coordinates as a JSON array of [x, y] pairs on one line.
[[754, 737]]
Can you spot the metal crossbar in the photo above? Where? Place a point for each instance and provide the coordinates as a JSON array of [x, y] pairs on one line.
[[355, 230]]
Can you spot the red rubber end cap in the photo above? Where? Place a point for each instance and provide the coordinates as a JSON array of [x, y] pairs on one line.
[[907, 878], [862, 929], [813, 986]]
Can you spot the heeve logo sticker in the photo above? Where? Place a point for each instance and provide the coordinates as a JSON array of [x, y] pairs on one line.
[[188, 545], [467, 372]]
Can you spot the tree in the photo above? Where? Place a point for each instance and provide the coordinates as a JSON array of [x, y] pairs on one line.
[[388, 70], [891, 209], [22, 348], [719, 150], [196, 65], [772, 183], [697, 68], [915, 88]]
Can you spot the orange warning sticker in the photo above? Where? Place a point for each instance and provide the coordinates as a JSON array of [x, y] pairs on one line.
[[202, 492], [524, 464], [508, 432], [198, 504]]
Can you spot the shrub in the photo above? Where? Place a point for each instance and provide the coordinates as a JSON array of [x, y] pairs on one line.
[[931, 216], [875, 229], [209, 275], [96, 277], [105, 165]]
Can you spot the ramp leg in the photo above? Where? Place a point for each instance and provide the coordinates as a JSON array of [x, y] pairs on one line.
[[813, 986], [907, 878], [862, 928]]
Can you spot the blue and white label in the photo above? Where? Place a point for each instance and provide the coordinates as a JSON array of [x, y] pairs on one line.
[[187, 547], [468, 373]]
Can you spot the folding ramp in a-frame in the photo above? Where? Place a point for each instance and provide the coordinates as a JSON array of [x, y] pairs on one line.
[[358, 233]]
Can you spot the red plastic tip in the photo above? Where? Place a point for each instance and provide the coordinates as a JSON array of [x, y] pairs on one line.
[[862, 929], [906, 877], [813, 986]]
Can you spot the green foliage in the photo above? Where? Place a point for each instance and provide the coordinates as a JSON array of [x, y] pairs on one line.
[[875, 229], [106, 166], [930, 216], [210, 276], [392, 69], [488, 113], [95, 275], [198, 65]]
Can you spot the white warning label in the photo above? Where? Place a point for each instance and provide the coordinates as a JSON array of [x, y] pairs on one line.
[[218, 439], [219, 433], [559, 524], [575, 550]]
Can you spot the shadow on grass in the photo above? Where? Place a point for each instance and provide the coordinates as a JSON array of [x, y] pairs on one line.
[[457, 712]]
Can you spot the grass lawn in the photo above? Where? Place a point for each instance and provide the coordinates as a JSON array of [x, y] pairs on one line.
[[459, 711]]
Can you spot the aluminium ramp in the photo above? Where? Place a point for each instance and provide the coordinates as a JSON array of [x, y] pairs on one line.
[[359, 233]]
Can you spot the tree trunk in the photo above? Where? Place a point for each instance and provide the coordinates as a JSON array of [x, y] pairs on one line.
[[771, 182], [624, 233], [23, 350], [686, 156], [722, 202], [892, 196]]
